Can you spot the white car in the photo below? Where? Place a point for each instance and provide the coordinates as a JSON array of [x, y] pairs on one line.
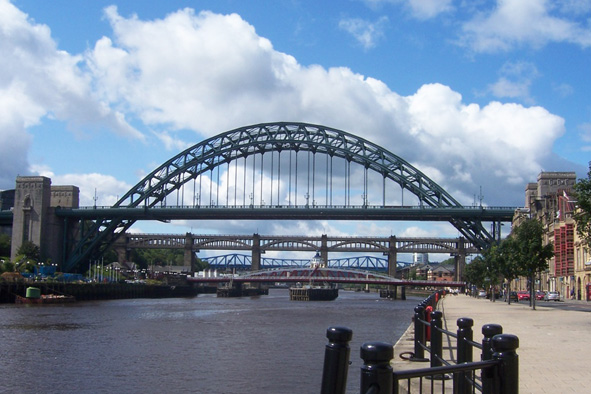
[[481, 293], [552, 296]]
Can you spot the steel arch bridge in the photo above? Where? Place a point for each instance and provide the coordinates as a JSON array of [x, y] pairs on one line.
[[349, 159]]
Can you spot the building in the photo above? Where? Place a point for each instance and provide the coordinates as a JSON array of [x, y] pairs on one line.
[[420, 258], [548, 201], [441, 274], [34, 219]]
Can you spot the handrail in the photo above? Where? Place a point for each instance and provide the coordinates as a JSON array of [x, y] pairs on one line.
[[498, 364]]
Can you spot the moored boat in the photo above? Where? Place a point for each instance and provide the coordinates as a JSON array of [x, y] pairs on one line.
[[34, 296]]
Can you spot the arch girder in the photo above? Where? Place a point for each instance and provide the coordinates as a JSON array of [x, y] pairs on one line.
[[261, 138]]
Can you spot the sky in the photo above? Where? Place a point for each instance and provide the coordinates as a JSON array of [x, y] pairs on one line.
[[479, 95]]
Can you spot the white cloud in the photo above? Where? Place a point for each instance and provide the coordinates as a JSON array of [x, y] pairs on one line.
[[38, 80], [365, 33], [219, 74], [517, 23], [515, 81], [209, 73]]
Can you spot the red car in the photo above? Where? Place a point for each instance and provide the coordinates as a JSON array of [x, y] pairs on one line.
[[523, 295], [540, 295]]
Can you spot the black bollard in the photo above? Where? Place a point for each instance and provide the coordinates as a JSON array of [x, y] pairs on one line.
[[336, 360], [464, 350], [376, 372], [504, 347], [436, 338], [419, 354], [487, 375]]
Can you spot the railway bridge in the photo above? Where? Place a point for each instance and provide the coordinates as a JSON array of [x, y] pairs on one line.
[[257, 245]]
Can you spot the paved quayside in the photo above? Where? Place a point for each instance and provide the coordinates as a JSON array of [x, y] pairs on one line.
[[554, 342]]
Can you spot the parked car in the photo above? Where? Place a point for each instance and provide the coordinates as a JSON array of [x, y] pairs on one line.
[[552, 296], [540, 295], [481, 293], [523, 295]]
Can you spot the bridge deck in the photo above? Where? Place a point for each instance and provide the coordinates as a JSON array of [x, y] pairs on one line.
[[370, 212]]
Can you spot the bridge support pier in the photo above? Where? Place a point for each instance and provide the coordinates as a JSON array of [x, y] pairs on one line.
[[324, 249], [189, 256], [256, 253], [392, 256], [460, 260]]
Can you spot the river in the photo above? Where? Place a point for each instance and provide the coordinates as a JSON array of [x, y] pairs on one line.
[[205, 344]]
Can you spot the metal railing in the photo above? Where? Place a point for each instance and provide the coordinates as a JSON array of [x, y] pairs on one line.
[[497, 371]]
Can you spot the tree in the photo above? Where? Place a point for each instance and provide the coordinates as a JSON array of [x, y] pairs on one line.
[[582, 215], [28, 251], [5, 245], [475, 273], [502, 260], [528, 251]]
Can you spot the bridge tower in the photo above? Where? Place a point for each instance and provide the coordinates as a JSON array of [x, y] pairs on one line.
[[34, 217]]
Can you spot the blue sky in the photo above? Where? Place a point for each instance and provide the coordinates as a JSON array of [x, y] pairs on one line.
[[479, 95]]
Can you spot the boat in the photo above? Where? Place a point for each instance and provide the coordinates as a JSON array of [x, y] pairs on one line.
[[34, 296], [313, 293]]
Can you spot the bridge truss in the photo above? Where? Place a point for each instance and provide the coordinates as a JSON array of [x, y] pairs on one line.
[[281, 170]]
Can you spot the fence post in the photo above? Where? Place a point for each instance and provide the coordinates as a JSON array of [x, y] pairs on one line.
[[336, 360], [488, 374], [436, 338], [419, 354], [504, 347], [376, 372], [464, 352]]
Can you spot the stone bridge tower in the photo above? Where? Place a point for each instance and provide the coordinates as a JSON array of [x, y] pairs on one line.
[[34, 216]]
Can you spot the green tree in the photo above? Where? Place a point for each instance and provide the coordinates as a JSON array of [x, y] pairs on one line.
[[500, 256], [28, 251], [5, 245], [528, 251], [582, 215], [475, 272]]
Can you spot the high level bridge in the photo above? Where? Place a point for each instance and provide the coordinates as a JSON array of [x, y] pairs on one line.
[[272, 171], [258, 245]]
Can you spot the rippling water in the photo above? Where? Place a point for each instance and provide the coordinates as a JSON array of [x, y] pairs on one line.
[[205, 344]]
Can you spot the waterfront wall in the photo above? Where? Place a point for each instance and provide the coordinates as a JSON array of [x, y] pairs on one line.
[[97, 291]]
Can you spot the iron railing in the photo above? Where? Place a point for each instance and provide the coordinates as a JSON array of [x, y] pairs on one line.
[[497, 371]]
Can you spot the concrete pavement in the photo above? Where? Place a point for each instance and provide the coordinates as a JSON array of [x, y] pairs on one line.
[[554, 344]]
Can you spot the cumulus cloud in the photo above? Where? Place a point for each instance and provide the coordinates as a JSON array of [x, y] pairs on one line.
[[95, 189], [209, 73], [38, 80], [516, 23]]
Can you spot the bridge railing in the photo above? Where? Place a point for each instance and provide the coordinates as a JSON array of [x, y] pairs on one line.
[[497, 371]]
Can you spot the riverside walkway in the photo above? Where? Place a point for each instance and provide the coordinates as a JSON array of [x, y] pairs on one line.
[[554, 343]]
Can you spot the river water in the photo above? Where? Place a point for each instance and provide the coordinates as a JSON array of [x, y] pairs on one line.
[[205, 344]]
